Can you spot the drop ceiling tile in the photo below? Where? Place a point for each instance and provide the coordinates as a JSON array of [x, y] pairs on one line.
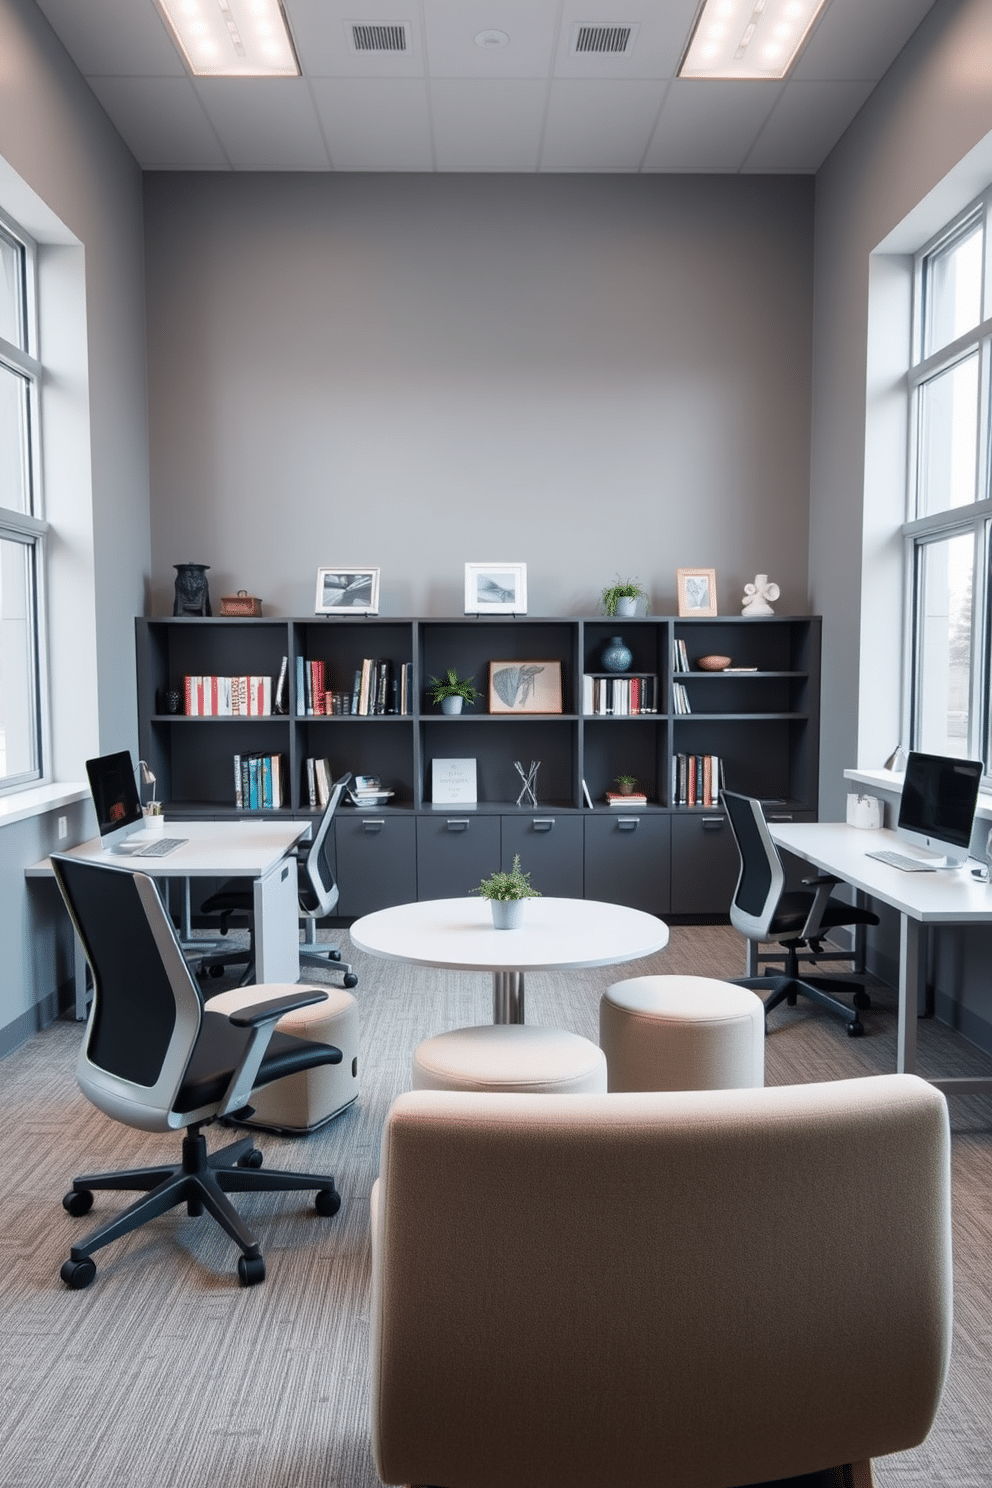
[[709, 126], [594, 126], [375, 124], [265, 123], [491, 124], [114, 38], [854, 39], [452, 26], [322, 32], [162, 122], [662, 33], [806, 123]]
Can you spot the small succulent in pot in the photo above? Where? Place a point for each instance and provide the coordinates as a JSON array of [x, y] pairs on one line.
[[506, 893], [451, 691], [626, 783], [620, 598]]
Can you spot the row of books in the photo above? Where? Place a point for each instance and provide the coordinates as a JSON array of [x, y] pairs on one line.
[[680, 698], [378, 687], [224, 697], [697, 779], [259, 781], [319, 779], [622, 697], [680, 657]]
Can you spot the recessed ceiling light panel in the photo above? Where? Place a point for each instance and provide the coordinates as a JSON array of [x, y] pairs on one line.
[[232, 38], [748, 38]]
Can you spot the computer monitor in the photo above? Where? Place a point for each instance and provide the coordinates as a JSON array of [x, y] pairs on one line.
[[937, 809], [115, 796]]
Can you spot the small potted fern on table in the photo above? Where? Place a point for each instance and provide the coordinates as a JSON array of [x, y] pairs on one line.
[[506, 893]]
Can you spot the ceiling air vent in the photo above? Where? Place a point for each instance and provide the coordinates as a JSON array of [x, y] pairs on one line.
[[380, 36], [603, 40]]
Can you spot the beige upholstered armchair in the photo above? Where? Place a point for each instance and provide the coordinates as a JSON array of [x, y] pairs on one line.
[[677, 1290]]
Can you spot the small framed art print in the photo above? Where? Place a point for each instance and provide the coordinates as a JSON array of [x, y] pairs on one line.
[[347, 591], [696, 591], [525, 687], [495, 588]]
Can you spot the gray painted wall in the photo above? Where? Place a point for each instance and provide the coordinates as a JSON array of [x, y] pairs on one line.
[[56, 138], [586, 373], [931, 109]]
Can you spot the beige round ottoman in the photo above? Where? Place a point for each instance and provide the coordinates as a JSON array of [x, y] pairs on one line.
[[682, 1033], [299, 1103], [509, 1057]]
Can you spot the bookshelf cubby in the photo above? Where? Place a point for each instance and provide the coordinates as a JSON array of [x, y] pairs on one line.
[[763, 724]]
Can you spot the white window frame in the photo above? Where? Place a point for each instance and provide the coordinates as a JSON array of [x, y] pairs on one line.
[[973, 519], [30, 527]]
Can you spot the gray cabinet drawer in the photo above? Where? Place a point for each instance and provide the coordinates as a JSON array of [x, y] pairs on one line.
[[455, 851], [705, 863], [376, 861], [550, 849], [627, 856]]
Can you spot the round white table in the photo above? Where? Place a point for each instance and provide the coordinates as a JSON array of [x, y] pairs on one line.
[[458, 935]]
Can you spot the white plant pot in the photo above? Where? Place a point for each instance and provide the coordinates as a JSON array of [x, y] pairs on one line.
[[154, 823], [508, 914], [451, 704], [626, 606]]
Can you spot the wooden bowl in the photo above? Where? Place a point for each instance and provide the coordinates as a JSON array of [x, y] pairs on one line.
[[713, 663]]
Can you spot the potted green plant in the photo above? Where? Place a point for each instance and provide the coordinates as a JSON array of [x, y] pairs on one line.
[[452, 691], [621, 597], [506, 893], [626, 783]]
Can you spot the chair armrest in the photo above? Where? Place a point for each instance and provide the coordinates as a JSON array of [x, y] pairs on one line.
[[822, 878], [823, 883], [271, 1011]]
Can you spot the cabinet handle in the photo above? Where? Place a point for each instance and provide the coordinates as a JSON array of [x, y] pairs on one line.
[[542, 823], [712, 823], [780, 816], [373, 824], [457, 823], [628, 823]]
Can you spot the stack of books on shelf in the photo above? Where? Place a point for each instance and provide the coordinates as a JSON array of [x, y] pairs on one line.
[[680, 657], [697, 779], [622, 697], [378, 688], [634, 798], [318, 774], [680, 698], [368, 791], [226, 697], [258, 781]]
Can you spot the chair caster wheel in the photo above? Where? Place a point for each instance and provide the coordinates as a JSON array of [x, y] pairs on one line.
[[862, 1001], [252, 1159], [855, 1029], [78, 1274], [251, 1270], [350, 979], [327, 1201], [216, 971], [334, 955], [78, 1201]]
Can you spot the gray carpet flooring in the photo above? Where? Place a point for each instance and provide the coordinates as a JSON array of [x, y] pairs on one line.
[[166, 1374]]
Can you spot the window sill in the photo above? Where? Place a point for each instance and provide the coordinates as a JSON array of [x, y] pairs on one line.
[[889, 780], [38, 800]]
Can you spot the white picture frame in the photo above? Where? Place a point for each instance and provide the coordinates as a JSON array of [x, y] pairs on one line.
[[495, 588], [696, 588], [453, 782], [347, 590]]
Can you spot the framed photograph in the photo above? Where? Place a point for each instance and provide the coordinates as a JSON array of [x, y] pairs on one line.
[[525, 687], [347, 591], [696, 591], [495, 588]]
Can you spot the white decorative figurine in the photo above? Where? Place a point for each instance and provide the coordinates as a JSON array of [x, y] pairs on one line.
[[757, 595]]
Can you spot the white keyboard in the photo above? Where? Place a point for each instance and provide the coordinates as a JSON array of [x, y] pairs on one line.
[[900, 860], [156, 849]]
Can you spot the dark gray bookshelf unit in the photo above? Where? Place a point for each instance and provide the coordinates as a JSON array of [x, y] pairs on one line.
[[669, 859]]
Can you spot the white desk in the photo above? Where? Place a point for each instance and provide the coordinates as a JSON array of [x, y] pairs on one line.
[[558, 934], [947, 897], [232, 849]]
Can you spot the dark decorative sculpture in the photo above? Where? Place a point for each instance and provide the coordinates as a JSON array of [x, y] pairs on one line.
[[192, 593]]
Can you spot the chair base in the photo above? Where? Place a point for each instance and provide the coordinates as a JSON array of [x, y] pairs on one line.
[[328, 959], [818, 990], [201, 1181]]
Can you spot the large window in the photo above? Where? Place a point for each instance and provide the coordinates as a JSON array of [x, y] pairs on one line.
[[949, 517], [22, 529]]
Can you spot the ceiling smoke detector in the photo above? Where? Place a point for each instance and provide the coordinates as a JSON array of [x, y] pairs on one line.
[[492, 39]]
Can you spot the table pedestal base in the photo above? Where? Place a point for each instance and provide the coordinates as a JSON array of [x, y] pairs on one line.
[[508, 997]]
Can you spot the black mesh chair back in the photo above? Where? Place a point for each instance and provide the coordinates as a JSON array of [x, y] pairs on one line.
[[318, 891], [762, 878]]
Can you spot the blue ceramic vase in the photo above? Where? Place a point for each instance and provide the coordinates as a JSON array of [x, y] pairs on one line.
[[616, 656]]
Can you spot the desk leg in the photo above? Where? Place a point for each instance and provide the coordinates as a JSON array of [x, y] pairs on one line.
[[912, 979], [277, 930], [508, 997]]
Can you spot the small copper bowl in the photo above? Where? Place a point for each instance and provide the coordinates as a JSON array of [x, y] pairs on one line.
[[713, 663]]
